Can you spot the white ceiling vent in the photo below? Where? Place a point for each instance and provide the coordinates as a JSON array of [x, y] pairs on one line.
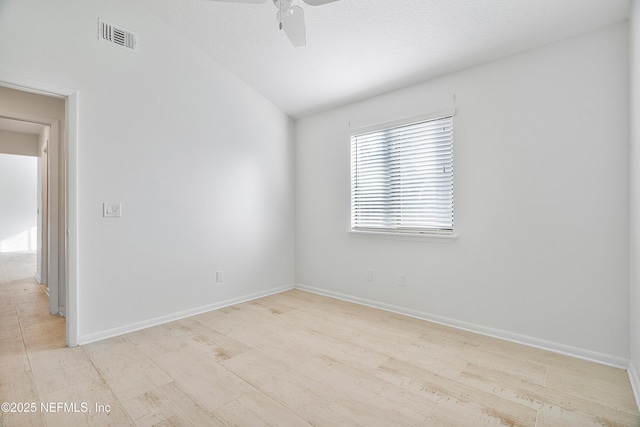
[[119, 36]]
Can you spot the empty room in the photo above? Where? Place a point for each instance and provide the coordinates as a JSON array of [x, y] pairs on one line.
[[319, 213]]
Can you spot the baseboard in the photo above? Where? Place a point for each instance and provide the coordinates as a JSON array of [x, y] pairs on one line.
[[593, 356], [38, 278], [634, 378], [121, 330]]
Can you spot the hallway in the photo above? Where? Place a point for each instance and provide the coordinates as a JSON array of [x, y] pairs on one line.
[[28, 330]]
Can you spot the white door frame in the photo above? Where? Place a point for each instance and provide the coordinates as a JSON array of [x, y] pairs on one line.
[[71, 188]]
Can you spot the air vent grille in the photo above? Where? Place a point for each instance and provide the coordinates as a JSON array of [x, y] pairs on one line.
[[117, 35]]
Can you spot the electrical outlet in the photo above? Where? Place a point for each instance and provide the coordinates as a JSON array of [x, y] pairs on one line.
[[401, 279], [219, 276], [369, 275]]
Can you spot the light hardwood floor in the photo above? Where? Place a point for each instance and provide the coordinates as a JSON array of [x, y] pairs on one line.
[[292, 359]]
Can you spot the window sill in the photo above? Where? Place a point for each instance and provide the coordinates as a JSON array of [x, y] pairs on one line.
[[441, 238]]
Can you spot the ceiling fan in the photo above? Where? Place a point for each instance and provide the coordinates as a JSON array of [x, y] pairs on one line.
[[289, 16]]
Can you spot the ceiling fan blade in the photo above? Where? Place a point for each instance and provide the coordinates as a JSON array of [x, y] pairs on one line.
[[242, 1], [293, 25], [318, 2]]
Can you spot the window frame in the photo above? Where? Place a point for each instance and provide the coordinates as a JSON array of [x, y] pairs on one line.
[[403, 232]]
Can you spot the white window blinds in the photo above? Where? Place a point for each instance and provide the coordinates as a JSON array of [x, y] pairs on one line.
[[402, 178]]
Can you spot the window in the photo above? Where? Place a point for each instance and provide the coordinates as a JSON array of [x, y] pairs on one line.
[[402, 178]]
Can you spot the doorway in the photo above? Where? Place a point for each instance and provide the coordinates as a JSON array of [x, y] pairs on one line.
[[19, 230], [54, 108], [24, 179]]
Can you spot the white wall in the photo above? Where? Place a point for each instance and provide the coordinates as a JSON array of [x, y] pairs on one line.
[[634, 37], [541, 201], [18, 197], [202, 165], [18, 203]]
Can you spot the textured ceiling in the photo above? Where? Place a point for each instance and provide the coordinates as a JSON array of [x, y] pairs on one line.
[[360, 48]]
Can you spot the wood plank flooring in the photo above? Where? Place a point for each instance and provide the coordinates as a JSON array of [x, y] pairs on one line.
[[291, 359]]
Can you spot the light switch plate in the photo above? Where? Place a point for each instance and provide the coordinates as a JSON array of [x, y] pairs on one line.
[[111, 210]]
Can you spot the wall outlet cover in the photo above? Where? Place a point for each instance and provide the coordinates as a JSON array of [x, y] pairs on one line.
[[401, 279]]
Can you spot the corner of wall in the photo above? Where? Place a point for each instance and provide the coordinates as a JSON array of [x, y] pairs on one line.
[[634, 247], [634, 378]]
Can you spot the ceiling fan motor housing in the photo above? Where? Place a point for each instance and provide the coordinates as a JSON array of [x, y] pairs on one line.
[[290, 17], [283, 5]]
